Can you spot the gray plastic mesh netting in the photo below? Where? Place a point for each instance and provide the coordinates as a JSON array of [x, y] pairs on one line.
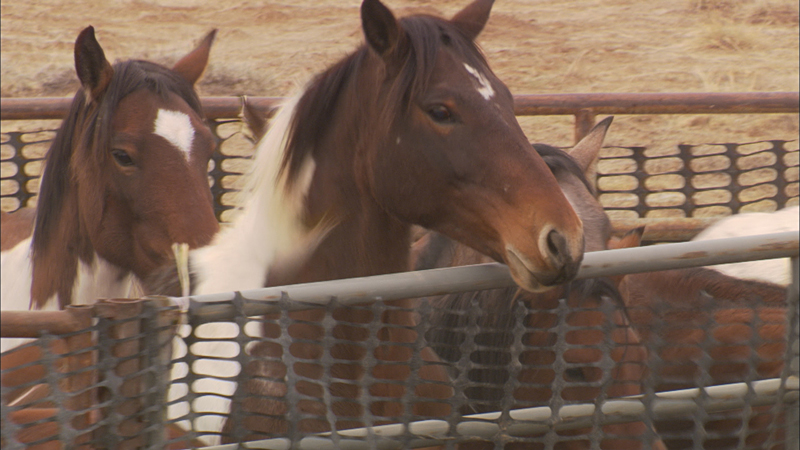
[[633, 182], [475, 370]]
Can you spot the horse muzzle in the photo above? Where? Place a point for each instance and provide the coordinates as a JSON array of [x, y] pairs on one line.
[[558, 264]]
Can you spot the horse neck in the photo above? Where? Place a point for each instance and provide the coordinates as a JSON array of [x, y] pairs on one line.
[[365, 240]]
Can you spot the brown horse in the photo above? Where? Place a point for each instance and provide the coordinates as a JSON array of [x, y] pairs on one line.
[[124, 179], [411, 128], [475, 331], [706, 328]]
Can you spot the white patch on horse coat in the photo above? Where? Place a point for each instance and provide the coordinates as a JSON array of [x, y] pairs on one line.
[[484, 87], [15, 273], [100, 279], [777, 271], [176, 127], [269, 225]]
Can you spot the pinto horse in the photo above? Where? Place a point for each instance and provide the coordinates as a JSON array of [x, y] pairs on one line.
[[493, 314], [412, 128], [124, 179]]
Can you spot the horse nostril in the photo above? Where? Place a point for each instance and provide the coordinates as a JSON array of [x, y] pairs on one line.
[[552, 245], [557, 247]]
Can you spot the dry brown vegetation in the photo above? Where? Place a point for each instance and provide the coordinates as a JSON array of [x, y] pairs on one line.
[[544, 46]]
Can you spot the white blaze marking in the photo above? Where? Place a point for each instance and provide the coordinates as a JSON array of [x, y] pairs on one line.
[[176, 127], [484, 87]]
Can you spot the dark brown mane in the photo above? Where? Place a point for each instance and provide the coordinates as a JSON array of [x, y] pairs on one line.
[[336, 91], [129, 76]]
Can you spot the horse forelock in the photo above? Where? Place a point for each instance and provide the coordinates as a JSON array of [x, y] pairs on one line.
[[130, 76]]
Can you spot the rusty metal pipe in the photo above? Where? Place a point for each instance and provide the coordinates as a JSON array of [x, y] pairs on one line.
[[524, 105], [31, 324]]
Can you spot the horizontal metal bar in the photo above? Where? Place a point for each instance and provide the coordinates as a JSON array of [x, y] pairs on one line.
[[218, 307], [658, 103], [524, 105], [532, 421], [30, 324]]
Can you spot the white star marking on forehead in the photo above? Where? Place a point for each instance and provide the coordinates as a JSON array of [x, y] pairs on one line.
[[484, 87], [176, 127]]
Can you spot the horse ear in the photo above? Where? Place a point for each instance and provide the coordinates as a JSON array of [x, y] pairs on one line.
[[93, 69], [192, 66], [587, 150], [254, 119], [381, 29], [473, 18]]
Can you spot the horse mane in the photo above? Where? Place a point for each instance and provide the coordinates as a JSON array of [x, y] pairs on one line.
[[74, 146], [558, 160], [341, 85]]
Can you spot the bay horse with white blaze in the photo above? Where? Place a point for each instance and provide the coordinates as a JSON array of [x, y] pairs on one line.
[[125, 177], [411, 128]]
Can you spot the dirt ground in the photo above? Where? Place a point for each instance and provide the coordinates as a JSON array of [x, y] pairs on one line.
[[540, 46]]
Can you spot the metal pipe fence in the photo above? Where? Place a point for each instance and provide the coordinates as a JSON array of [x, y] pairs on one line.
[[122, 347], [90, 379], [675, 195], [424, 283]]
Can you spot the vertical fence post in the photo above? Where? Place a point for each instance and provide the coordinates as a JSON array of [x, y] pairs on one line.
[[124, 345], [82, 357], [584, 121], [793, 336], [160, 334]]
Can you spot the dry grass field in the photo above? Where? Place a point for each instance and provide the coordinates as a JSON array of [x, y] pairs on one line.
[[539, 46]]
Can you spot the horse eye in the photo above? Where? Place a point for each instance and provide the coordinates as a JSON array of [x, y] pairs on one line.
[[440, 113], [122, 157]]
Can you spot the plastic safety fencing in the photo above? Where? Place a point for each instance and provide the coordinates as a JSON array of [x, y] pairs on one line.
[[94, 377], [634, 183], [676, 190], [351, 364]]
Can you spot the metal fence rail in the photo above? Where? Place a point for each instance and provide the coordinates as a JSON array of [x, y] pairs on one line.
[[423, 283], [146, 428], [429, 433], [113, 400]]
